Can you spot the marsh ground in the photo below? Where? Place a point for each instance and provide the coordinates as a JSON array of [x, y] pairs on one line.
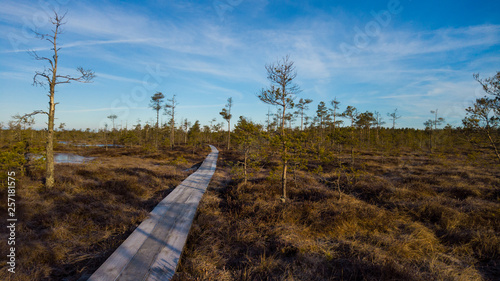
[[410, 216], [68, 232], [388, 216]]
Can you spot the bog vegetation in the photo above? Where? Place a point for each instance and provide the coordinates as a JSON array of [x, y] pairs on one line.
[[332, 195]]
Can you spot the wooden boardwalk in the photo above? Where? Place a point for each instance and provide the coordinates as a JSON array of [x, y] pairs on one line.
[[153, 250]]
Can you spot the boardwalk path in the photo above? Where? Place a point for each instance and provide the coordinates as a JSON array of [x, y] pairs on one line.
[[153, 250]]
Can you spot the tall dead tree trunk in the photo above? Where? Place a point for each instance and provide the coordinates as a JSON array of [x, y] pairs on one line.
[[49, 178], [49, 76]]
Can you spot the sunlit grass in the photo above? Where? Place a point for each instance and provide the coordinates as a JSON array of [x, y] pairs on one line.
[[409, 217], [69, 231]]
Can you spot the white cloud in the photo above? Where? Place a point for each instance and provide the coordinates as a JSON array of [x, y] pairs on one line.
[[100, 75], [405, 43]]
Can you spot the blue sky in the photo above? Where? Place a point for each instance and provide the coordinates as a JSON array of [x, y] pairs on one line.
[[415, 56]]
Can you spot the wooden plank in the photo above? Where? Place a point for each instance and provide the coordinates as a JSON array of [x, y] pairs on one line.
[[153, 250]]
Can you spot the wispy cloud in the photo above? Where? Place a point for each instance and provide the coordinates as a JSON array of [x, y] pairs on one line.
[[201, 106], [8, 75], [86, 44], [399, 44], [109, 109], [105, 76]]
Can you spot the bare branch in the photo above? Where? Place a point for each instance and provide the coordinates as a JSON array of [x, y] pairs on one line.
[[87, 75], [43, 74], [39, 35], [35, 55], [28, 118], [38, 112]]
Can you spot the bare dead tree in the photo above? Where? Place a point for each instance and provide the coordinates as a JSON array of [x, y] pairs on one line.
[[226, 115], [394, 116], [170, 110], [281, 93], [50, 77]]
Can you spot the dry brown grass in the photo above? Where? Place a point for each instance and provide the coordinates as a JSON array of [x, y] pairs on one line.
[[68, 232], [409, 217]]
